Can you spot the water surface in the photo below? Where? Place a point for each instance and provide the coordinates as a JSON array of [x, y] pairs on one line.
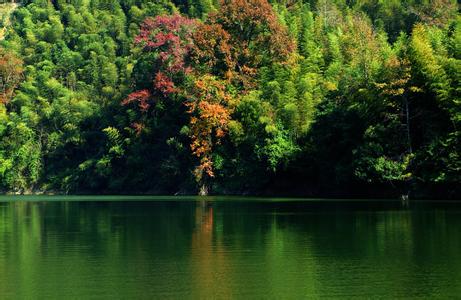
[[144, 247]]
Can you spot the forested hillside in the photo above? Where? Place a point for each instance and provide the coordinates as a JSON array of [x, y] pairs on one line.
[[314, 98]]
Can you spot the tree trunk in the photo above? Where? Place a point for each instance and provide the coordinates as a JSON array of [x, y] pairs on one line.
[[407, 115], [405, 197], [203, 190]]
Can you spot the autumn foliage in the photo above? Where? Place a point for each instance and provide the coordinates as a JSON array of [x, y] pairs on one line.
[[142, 97], [10, 75], [170, 38], [256, 35], [209, 107], [212, 51], [198, 62]]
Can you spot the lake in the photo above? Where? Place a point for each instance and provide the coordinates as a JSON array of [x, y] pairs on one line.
[[233, 247]]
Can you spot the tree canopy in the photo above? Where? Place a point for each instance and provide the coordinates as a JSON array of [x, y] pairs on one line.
[[299, 97]]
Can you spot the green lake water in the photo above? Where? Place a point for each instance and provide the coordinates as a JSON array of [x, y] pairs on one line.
[[221, 248]]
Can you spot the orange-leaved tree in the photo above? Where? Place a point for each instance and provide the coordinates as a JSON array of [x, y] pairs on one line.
[[11, 69], [210, 106], [212, 51]]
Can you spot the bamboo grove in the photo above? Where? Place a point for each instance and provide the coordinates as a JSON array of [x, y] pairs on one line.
[[287, 97]]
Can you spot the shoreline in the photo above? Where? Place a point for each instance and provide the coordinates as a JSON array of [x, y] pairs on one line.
[[248, 197]]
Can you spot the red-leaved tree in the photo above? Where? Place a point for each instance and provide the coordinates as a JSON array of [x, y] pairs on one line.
[[169, 38]]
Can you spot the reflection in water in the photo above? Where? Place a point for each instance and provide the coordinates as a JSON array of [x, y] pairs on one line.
[[208, 258], [228, 249]]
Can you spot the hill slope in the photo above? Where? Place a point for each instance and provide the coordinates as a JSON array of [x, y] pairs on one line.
[[325, 98]]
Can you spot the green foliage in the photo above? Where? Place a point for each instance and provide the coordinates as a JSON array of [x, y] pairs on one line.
[[335, 96], [20, 158]]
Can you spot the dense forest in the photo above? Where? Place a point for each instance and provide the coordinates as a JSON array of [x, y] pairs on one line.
[[334, 98]]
